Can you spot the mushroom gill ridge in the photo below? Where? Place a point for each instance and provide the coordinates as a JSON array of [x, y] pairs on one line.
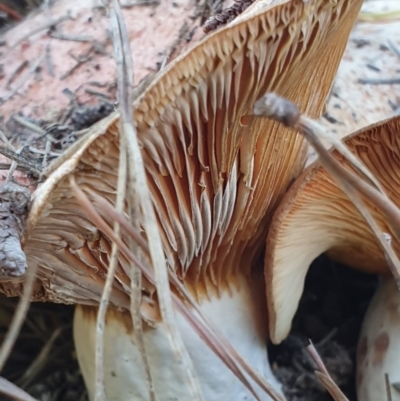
[[223, 174], [215, 174], [315, 216]]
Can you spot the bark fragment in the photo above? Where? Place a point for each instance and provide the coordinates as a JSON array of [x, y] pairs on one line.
[[14, 202]]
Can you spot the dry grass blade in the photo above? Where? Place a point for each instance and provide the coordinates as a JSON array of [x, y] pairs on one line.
[[14, 392], [139, 181], [40, 361], [209, 334], [352, 185], [19, 316], [101, 317], [343, 150], [262, 107], [125, 76], [382, 16], [388, 388], [324, 376]]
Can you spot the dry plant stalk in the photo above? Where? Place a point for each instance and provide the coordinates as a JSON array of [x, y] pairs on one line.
[[132, 170], [351, 183], [125, 87]]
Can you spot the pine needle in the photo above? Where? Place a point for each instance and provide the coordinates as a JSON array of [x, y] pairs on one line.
[[19, 316], [324, 376]]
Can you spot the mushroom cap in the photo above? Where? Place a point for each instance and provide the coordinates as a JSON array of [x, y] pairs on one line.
[[379, 345], [315, 216], [214, 173]]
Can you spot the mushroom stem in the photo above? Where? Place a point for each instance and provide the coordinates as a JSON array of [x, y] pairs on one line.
[[240, 317], [379, 346]]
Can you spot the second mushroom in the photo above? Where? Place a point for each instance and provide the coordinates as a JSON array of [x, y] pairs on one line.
[[314, 217]]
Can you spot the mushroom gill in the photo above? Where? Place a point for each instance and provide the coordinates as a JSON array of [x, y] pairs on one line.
[[315, 216], [215, 175]]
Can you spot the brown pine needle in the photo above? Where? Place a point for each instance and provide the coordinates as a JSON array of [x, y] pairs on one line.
[[19, 316], [324, 376]]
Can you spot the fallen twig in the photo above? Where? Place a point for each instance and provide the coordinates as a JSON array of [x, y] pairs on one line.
[[80, 60], [19, 316], [394, 48], [388, 388], [378, 81], [16, 72], [21, 160], [12, 13], [70, 37], [226, 15], [51, 23]]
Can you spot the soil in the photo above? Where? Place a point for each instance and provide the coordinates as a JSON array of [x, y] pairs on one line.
[[330, 314]]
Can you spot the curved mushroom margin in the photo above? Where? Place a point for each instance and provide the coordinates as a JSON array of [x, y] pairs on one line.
[[315, 216]]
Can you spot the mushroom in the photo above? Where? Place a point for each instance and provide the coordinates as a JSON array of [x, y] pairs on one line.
[[215, 175], [379, 346], [314, 217]]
